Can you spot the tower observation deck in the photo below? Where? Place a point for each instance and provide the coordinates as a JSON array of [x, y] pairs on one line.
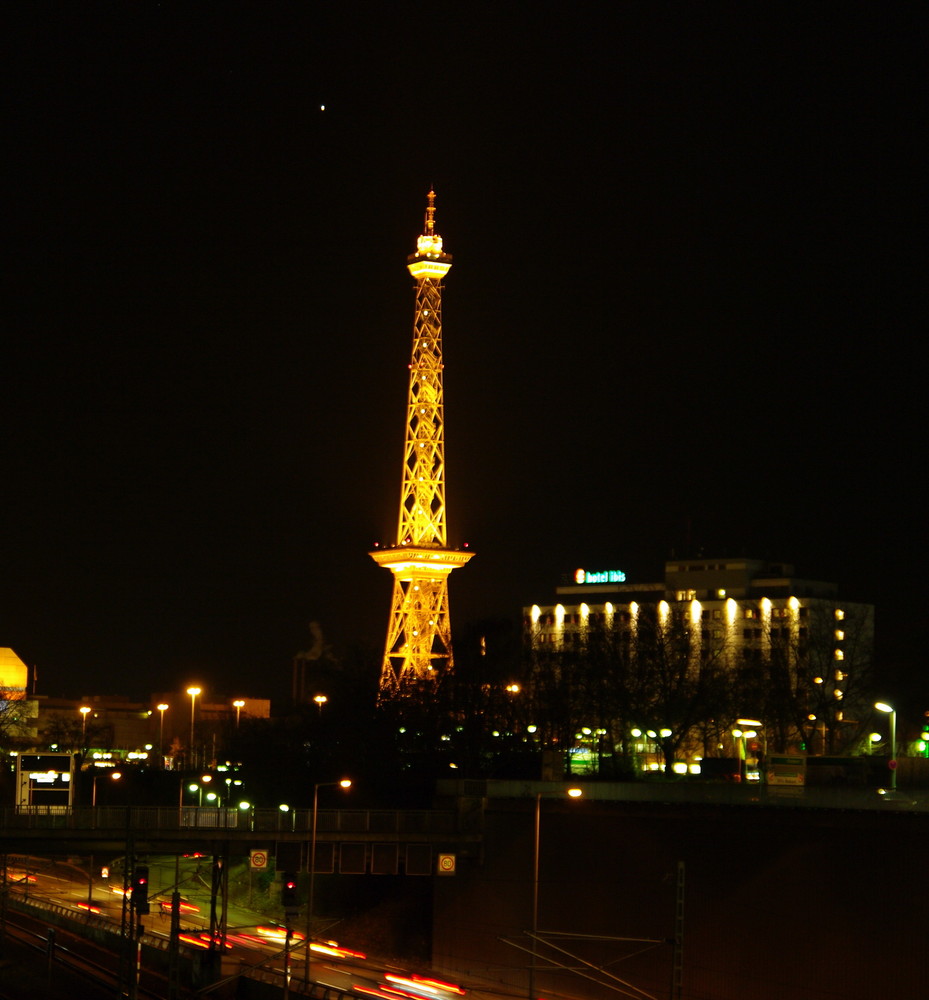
[[418, 652]]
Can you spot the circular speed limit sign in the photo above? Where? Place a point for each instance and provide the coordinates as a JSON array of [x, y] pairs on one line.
[[258, 859], [446, 864]]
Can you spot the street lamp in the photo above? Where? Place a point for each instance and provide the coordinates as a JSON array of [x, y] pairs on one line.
[[114, 776], [238, 705], [162, 708], [344, 783], [892, 764], [320, 700], [193, 692], [574, 793], [84, 709]]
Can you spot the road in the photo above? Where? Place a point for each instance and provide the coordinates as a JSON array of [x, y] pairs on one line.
[[253, 945]]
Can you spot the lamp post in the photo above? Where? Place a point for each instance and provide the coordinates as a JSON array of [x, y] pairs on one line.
[[161, 733], [892, 764], [320, 700], [238, 705], [574, 793], [84, 709], [193, 692], [114, 776], [344, 783]]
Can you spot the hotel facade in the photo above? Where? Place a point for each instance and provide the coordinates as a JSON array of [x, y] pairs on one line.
[[783, 648]]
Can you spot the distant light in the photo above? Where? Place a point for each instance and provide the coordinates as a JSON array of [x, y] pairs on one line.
[[575, 793]]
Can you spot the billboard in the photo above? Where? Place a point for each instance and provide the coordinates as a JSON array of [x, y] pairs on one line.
[[44, 779]]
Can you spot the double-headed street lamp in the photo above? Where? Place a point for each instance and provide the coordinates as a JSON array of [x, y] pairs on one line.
[[238, 705], [344, 783], [882, 706], [573, 793]]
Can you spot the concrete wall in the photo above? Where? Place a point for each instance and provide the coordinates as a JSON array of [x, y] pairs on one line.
[[778, 902]]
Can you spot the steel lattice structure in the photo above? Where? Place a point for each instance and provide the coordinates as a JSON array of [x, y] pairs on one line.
[[419, 641]]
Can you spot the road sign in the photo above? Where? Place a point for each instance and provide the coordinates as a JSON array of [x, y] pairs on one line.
[[892, 764], [258, 859], [446, 864]]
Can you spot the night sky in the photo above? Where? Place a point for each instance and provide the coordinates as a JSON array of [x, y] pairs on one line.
[[684, 315]]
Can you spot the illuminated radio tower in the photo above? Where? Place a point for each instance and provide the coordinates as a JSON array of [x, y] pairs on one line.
[[419, 638]]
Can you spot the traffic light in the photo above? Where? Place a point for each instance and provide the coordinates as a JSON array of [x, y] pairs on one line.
[[290, 898], [140, 889]]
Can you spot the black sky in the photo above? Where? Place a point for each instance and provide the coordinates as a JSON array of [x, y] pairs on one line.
[[684, 314]]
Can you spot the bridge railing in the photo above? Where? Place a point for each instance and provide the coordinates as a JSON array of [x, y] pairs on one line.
[[170, 818]]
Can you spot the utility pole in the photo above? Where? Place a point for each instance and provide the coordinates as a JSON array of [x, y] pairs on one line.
[[677, 959]]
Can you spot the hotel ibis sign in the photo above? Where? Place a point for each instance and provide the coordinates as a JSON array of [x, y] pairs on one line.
[[604, 576]]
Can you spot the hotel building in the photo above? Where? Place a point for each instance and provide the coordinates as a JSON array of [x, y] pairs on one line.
[[747, 619]]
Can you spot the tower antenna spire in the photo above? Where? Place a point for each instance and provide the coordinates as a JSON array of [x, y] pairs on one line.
[[430, 213], [418, 652]]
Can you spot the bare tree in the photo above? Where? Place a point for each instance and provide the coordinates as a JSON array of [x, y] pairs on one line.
[[811, 683], [656, 670], [15, 718]]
